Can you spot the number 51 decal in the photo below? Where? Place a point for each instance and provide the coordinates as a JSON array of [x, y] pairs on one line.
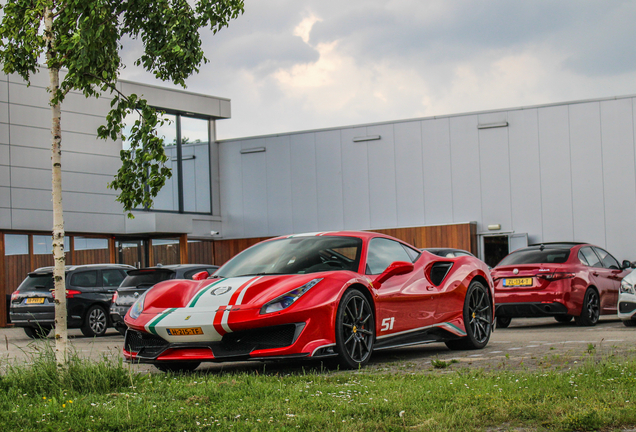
[[387, 324]]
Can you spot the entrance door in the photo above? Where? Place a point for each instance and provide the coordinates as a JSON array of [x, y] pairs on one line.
[[133, 252], [496, 247]]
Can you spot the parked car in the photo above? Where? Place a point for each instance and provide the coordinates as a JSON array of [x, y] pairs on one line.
[[89, 290], [138, 281], [562, 280], [448, 252], [338, 295], [627, 300]]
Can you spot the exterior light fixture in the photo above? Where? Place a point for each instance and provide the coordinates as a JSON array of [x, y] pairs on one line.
[[367, 138], [492, 125], [494, 227], [253, 150]]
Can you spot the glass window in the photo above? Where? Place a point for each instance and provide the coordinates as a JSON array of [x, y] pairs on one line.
[[84, 279], [146, 277], [43, 281], [112, 278], [16, 244], [590, 257], [382, 253], [195, 165], [168, 196], [87, 243], [43, 245], [608, 260]]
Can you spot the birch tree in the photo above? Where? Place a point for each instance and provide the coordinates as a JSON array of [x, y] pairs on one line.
[[83, 39]]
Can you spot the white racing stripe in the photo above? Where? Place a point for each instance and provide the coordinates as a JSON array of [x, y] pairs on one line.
[[239, 300]]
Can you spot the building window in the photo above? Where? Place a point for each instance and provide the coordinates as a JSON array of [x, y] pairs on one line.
[[187, 144]]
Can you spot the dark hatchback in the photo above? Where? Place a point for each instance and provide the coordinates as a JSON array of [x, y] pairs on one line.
[[139, 281], [89, 290]]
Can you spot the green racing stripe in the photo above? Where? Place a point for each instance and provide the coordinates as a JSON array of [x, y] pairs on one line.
[[203, 291], [151, 327]]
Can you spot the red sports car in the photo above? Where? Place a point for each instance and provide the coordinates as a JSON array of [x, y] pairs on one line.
[[563, 280], [319, 295]]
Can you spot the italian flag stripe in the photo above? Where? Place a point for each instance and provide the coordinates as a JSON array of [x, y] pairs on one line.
[[203, 291], [151, 327]]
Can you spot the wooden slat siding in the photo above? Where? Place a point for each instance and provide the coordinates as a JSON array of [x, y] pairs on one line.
[[166, 254], [460, 236], [92, 256], [4, 313], [17, 267], [112, 251], [201, 252]]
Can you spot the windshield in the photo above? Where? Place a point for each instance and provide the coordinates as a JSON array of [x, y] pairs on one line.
[[138, 278], [296, 255], [536, 256]]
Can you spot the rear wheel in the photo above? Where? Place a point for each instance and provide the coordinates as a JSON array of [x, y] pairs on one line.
[[477, 319], [355, 330], [563, 318], [591, 309], [39, 332], [503, 322], [177, 366], [96, 322]]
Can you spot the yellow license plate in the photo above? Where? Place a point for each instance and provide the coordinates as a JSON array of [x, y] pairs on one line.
[[185, 331], [517, 282], [35, 300]]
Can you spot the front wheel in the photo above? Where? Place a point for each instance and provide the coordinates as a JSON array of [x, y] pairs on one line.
[[355, 330], [591, 309], [477, 319], [95, 322]]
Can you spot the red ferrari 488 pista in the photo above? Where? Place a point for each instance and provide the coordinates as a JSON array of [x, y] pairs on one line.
[[337, 295]]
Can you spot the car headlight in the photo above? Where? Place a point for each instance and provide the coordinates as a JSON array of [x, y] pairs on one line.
[[287, 299], [626, 287], [138, 307]]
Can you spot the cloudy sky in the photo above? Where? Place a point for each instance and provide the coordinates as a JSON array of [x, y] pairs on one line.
[[290, 65]]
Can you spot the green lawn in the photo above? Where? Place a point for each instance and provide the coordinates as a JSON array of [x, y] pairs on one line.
[[106, 396]]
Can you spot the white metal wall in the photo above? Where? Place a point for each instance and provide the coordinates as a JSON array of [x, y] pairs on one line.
[[562, 172]]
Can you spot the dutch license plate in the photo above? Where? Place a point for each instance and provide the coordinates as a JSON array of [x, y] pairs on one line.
[[35, 300], [185, 331], [517, 282]]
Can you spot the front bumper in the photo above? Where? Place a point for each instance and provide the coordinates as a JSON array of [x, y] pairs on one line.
[[627, 307], [255, 344], [530, 310]]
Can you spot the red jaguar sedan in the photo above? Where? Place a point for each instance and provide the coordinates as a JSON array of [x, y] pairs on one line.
[[563, 280]]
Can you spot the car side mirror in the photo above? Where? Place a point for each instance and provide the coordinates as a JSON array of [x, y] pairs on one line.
[[200, 276], [396, 268], [627, 264]]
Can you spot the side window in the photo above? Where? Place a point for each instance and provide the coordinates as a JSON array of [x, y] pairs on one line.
[[608, 260], [85, 279], [582, 259], [112, 278], [382, 252], [590, 257]]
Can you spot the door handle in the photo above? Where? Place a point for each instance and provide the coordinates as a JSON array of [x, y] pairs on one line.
[[430, 288], [595, 274]]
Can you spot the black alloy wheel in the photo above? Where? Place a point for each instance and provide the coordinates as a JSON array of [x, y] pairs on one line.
[[96, 322], [563, 318], [355, 330], [503, 322], [177, 367], [39, 332], [591, 309], [477, 319]]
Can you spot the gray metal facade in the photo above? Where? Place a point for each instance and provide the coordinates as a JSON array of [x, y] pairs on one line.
[[88, 163], [563, 172]]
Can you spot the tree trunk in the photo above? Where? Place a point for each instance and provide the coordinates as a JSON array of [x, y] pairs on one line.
[[61, 332]]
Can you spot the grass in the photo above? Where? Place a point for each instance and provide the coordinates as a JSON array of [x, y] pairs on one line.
[[107, 396]]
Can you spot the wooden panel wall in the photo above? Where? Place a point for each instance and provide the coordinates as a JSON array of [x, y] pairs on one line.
[[91, 256], [201, 252], [460, 236], [166, 254]]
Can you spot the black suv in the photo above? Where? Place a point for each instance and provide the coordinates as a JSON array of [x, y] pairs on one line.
[[89, 290], [139, 281]]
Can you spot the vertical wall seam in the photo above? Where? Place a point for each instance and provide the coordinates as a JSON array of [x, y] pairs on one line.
[[450, 159], [342, 185], [571, 179], [600, 129], [481, 193], [512, 223], [540, 176], [395, 176], [423, 170], [10, 161]]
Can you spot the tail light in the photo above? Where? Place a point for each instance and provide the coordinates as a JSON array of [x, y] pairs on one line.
[[14, 295], [69, 293], [556, 276], [115, 297]]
